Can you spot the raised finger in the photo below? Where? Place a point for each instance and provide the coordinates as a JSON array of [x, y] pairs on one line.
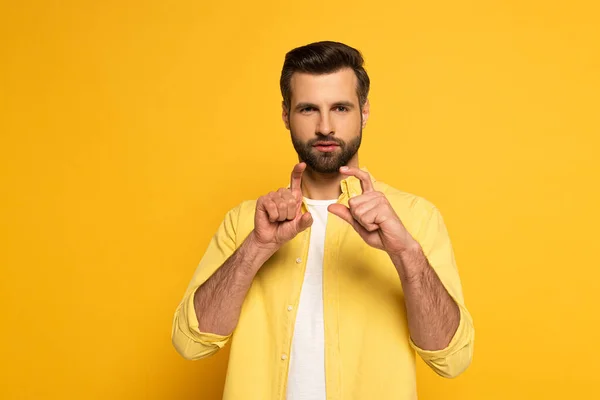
[[364, 177], [296, 180]]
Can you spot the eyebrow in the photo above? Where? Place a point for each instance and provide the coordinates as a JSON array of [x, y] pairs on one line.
[[301, 106]]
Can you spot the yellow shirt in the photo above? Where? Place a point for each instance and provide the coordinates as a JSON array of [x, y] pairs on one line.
[[368, 350]]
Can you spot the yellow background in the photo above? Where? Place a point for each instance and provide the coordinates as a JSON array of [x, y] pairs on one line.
[[128, 129]]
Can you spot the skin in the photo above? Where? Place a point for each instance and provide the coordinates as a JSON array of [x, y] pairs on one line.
[[433, 316], [278, 219], [326, 107]]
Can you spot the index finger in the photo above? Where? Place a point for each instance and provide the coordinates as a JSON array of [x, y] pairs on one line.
[[364, 177], [296, 179]]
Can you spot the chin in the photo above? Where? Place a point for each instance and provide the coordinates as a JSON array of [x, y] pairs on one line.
[[327, 169]]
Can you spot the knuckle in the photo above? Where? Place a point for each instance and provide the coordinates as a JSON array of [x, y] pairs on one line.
[[262, 201]]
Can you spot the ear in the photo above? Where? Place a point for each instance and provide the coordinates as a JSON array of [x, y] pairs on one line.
[[285, 116], [365, 113]]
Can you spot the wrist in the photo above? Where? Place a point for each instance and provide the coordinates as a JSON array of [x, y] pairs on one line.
[[259, 246], [408, 250], [251, 255], [410, 262]]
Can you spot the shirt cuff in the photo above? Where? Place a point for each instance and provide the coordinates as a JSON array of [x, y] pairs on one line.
[[461, 338], [193, 333]]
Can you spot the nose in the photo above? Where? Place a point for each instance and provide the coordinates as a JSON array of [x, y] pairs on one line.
[[325, 126]]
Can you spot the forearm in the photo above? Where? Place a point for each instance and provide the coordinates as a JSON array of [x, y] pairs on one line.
[[433, 316], [218, 302]]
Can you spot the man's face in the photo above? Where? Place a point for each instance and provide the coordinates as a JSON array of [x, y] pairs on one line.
[[325, 119]]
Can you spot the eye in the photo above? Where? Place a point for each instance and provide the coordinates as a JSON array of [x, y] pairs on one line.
[[341, 108], [306, 110]]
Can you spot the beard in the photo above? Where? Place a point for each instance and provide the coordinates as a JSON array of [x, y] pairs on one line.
[[326, 162]]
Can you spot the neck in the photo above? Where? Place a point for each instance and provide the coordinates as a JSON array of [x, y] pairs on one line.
[[324, 186]]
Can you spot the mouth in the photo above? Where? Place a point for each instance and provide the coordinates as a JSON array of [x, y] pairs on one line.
[[326, 146]]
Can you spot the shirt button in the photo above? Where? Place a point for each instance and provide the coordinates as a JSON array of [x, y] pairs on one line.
[[298, 260], [284, 357], [290, 308]]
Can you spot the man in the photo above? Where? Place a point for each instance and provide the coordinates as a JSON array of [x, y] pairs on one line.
[[328, 287]]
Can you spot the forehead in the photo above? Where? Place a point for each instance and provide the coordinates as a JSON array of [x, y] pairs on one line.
[[333, 87]]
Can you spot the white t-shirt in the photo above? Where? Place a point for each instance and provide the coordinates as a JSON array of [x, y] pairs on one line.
[[306, 377]]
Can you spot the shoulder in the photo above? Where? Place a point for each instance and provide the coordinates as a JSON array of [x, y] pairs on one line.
[[243, 210], [405, 200], [246, 207], [241, 216]]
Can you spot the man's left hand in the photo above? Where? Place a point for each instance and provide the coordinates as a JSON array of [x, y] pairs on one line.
[[373, 217]]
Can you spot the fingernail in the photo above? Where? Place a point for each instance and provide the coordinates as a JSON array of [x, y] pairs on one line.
[[344, 168]]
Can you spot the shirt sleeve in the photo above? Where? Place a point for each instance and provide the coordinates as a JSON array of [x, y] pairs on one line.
[[456, 357], [187, 339]]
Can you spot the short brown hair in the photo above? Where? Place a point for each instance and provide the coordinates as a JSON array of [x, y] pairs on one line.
[[323, 58]]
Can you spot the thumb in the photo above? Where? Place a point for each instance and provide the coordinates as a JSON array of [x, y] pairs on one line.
[[341, 211], [304, 221]]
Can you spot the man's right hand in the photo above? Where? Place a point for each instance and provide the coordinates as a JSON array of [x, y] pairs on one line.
[[278, 216]]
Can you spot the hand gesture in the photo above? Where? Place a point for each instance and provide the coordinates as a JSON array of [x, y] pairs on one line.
[[278, 216], [373, 217]]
